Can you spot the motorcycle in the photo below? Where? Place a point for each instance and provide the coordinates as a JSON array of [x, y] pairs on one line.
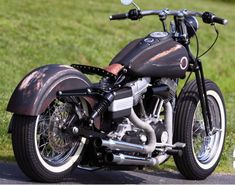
[[133, 117]]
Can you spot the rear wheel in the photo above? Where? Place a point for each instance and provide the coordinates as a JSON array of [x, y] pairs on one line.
[[202, 153], [43, 148]]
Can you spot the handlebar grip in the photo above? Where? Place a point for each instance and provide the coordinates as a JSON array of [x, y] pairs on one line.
[[133, 14], [119, 16], [220, 20], [210, 18]]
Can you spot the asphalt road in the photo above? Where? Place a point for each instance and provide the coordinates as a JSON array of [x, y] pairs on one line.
[[11, 174]]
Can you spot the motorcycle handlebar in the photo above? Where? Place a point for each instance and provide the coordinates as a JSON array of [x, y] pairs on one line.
[[134, 14]]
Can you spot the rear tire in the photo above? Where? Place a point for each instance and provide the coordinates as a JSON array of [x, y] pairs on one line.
[[39, 154], [200, 156]]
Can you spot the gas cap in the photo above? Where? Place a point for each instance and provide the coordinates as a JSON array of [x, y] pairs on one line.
[[159, 34]]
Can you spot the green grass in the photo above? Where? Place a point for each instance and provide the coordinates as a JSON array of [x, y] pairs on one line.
[[230, 1], [36, 33]]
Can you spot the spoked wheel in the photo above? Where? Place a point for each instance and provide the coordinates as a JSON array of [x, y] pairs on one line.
[[202, 153], [44, 147]]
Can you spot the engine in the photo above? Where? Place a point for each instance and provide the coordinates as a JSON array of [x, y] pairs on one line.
[[136, 129], [164, 88], [127, 132], [130, 96]]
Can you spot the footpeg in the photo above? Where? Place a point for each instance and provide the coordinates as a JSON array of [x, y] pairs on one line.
[[176, 145], [179, 145], [174, 152], [88, 168]]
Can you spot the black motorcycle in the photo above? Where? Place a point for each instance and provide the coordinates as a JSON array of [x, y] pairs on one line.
[[131, 118]]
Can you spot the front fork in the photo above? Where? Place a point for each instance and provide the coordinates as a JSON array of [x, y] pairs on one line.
[[198, 69], [200, 79]]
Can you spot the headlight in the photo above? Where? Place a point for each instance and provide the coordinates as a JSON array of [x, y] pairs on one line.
[[191, 25]]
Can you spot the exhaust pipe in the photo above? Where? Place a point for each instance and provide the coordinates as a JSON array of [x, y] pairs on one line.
[[150, 147], [146, 149], [122, 159], [129, 147], [119, 145]]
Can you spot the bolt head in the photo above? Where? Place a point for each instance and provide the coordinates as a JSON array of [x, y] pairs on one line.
[[75, 130]]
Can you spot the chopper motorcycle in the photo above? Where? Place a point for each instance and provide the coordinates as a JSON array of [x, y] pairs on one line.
[[132, 117]]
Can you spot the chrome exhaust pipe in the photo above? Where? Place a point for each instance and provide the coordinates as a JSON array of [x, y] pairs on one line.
[[169, 125], [146, 149], [119, 145], [129, 147], [150, 147], [122, 159]]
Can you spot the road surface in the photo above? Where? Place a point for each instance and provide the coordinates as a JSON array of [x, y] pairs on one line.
[[11, 174]]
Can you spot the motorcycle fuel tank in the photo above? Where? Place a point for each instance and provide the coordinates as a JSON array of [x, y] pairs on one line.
[[156, 55]]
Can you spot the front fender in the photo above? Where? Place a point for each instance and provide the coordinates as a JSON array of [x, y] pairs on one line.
[[39, 88]]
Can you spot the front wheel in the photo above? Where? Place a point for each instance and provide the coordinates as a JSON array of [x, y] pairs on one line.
[[43, 148], [202, 153]]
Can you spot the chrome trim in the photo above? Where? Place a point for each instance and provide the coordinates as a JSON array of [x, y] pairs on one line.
[[121, 104], [119, 145], [122, 159]]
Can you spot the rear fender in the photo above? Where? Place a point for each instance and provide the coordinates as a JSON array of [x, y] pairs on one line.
[[39, 88]]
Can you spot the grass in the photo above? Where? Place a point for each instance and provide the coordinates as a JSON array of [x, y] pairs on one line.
[[230, 1], [36, 33]]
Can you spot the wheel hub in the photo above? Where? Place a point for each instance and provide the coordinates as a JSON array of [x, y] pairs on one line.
[[60, 140]]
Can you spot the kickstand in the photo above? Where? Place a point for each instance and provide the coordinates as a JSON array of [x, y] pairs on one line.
[[89, 168]]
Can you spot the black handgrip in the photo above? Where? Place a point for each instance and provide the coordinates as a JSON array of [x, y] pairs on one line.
[[219, 20], [119, 16], [210, 18], [133, 14]]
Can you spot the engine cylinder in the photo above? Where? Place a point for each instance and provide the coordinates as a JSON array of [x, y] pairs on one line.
[[128, 97]]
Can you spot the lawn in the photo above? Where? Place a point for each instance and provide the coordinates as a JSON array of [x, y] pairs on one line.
[[36, 33]]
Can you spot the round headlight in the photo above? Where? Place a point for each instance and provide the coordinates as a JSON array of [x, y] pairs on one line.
[[191, 25]]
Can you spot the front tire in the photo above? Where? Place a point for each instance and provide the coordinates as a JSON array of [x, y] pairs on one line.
[[201, 154], [43, 152]]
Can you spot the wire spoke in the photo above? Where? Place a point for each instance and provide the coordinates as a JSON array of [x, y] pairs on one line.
[[55, 145]]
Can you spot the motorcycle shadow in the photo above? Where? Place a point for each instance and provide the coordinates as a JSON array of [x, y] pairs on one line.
[[10, 173], [120, 177]]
